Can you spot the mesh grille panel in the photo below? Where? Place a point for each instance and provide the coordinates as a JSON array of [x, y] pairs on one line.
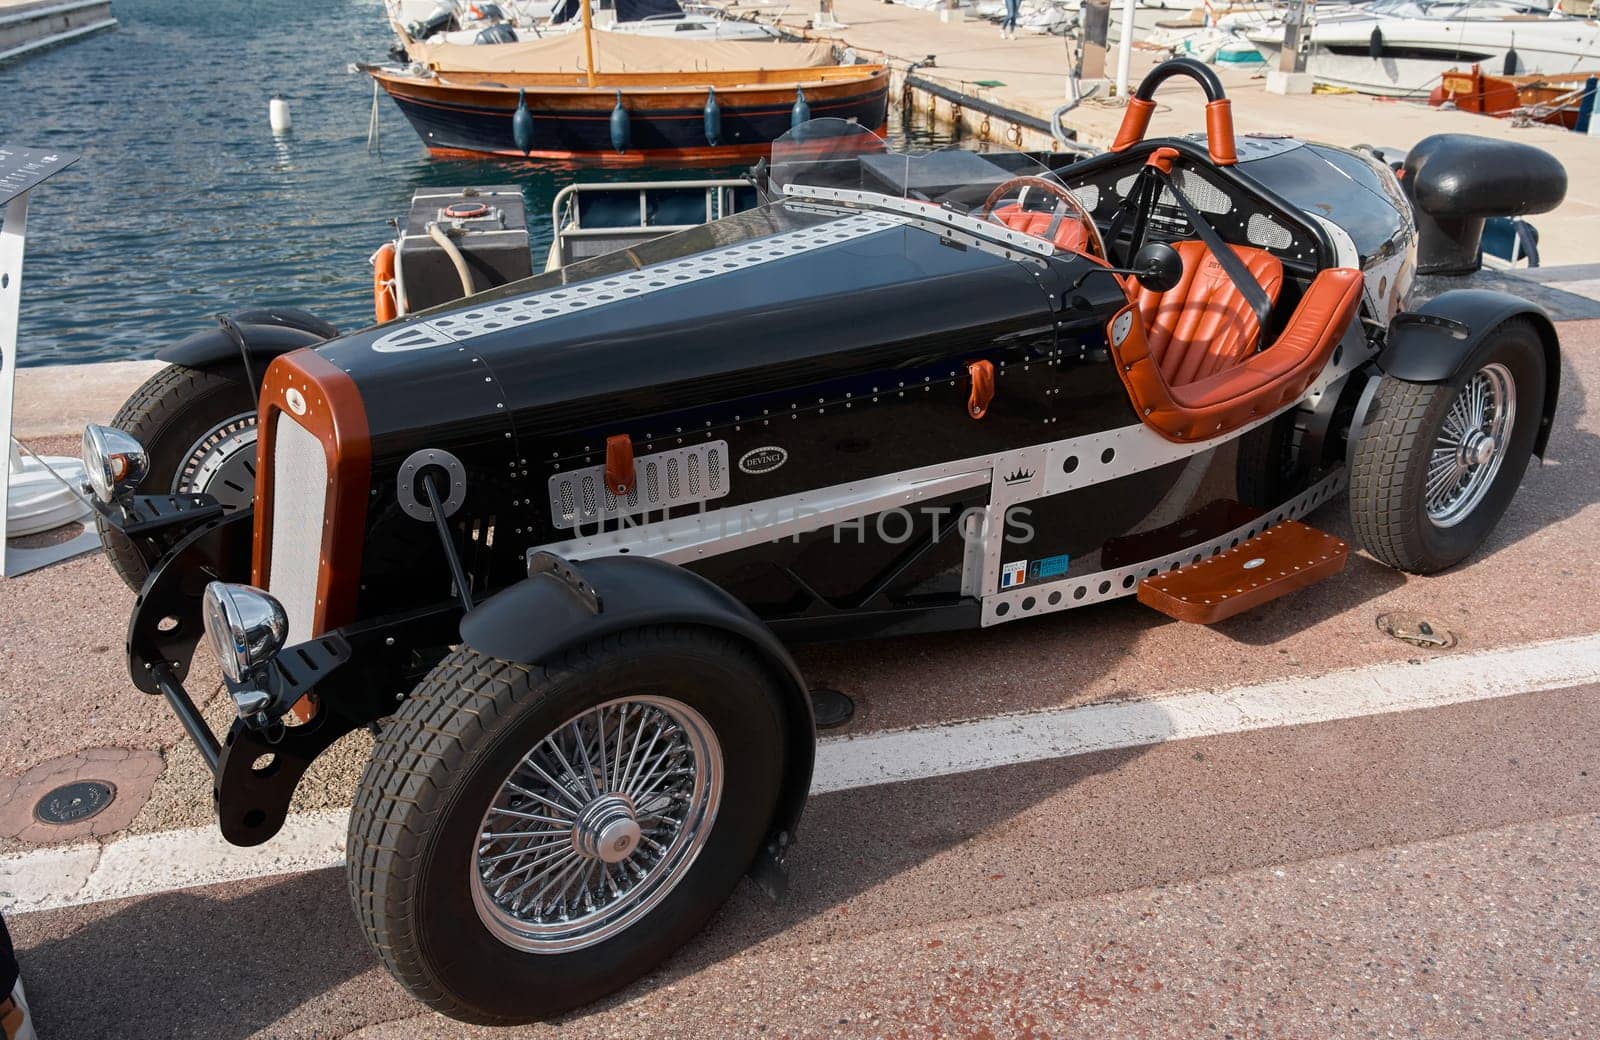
[[681, 477], [299, 499], [1264, 231], [1207, 197]]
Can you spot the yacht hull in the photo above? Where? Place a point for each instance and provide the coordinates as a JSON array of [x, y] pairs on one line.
[[664, 125]]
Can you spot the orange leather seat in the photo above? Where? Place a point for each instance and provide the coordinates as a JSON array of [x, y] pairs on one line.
[[1185, 355], [1204, 324], [1070, 233]]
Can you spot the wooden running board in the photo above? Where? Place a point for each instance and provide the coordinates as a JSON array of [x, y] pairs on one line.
[[1277, 561]]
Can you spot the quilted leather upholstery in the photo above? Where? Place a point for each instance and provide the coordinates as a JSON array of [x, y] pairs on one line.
[[1260, 384], [1204, 325], [1070, 235]]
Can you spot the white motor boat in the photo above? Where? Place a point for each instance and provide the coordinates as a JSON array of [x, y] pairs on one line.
[[510, 21], [1402, 47]]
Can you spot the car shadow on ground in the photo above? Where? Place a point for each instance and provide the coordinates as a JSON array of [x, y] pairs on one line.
[[205, 963], [201, 964]]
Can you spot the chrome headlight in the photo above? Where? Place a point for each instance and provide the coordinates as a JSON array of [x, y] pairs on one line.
[[244, 625], [116, 462]]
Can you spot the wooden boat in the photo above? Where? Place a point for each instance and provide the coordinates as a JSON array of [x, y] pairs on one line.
[[618, 99], [1555, 98]]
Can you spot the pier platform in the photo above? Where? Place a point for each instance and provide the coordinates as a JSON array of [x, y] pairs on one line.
[[1124, 826], [27, 26], [1029, 74]]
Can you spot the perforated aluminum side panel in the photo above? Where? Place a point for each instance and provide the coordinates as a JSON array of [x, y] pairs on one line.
[[1264, 231], [299, 498], [1207, 197], [681, 477]]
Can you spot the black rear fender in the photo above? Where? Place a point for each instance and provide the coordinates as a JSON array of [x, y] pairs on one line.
[[539, 618], [1439, 340]]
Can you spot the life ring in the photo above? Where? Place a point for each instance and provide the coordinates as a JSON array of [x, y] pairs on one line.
[[385, 305]]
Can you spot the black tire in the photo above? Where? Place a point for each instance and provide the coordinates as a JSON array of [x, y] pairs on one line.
[[1389, 475], [169, 415], [440, 761]]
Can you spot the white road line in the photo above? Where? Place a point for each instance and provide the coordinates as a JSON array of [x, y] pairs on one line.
[[170, 860]]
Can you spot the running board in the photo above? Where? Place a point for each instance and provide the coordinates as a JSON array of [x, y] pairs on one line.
[[1285, 557]]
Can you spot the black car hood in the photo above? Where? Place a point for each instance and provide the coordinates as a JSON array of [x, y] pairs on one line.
[[764, 300]]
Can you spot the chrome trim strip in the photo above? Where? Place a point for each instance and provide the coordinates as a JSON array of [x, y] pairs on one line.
[[925, 213], [701, 535]]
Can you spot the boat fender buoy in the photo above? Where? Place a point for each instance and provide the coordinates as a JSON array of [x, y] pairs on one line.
[[713, 118], [278, 115], [1510, 67], [384, 305], [801, 112], [621, 132], [1375, 44], [522, 124]]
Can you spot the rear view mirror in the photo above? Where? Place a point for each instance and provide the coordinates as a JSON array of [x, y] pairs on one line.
[[1158, 267]]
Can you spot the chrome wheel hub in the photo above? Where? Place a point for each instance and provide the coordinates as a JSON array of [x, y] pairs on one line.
[[606, 830], [1477, 449], [596, 824], [1470, 445]]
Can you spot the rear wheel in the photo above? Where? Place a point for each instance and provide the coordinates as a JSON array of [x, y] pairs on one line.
[[199, 429], [527, 839], [1437, 463]]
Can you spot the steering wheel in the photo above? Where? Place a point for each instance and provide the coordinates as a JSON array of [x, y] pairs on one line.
[[1093, 245]]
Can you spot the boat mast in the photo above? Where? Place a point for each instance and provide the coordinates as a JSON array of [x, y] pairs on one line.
[[588, 40]]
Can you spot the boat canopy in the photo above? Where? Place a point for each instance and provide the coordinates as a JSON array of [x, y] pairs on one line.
[[622, 53]]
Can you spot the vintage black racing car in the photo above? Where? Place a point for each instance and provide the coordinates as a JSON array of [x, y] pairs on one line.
[[550, 541]]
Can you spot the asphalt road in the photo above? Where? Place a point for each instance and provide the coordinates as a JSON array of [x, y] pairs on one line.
[[1426, 873]]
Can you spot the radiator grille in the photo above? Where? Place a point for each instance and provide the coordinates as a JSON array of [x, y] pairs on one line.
[[299, 499], [681, 477]]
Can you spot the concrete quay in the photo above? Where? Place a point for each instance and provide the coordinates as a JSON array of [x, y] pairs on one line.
[[1030, 74], [31, 25]]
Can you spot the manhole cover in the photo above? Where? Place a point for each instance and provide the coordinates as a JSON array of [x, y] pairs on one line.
[[831, 708], [74, 802], [1417, 630]]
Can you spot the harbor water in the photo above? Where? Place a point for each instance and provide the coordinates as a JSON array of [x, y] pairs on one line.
[[185, 205]]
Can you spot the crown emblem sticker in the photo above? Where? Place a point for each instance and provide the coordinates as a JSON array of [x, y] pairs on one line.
[[1019, 476]]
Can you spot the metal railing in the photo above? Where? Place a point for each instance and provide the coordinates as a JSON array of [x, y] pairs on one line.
[[590, 219]]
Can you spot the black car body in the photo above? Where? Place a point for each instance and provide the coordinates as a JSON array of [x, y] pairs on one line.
[[857, 410]]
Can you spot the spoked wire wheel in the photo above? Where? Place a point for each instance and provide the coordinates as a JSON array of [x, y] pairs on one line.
[[1436, 464], [1470, 445], [597, 824]]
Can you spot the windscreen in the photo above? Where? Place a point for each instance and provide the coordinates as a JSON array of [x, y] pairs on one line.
[[838, 154]]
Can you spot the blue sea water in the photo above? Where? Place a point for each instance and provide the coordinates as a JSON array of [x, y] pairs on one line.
[[185, 206]]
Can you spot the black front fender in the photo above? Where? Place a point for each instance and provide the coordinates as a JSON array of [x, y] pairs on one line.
[[265, 340], [1439, 340], [166, 622], [539, 618]]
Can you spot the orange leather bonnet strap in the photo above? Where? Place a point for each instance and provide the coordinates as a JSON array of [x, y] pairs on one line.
[[982, 373], [620, 476]]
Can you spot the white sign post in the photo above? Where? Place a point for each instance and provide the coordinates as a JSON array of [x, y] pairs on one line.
[[21, 170]]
